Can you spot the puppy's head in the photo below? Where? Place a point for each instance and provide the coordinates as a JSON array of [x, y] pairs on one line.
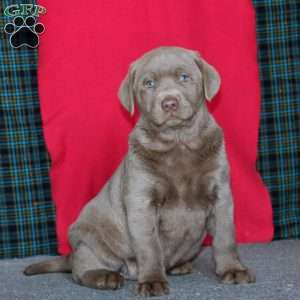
[[169, 85]]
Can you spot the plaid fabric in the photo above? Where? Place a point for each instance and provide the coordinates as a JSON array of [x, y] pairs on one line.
[[278, 34], [27, 214]]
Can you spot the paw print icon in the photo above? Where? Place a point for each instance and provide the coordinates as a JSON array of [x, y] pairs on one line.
[[24, 32]]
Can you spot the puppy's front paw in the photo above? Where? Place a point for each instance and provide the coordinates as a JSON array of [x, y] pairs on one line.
[[237, 276], [150, 289]]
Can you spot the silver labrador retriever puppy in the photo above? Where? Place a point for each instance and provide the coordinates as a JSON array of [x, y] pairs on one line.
[[171, 189]]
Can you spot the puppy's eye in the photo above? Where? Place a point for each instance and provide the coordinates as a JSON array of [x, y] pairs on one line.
[[149, 83], [184, 77]]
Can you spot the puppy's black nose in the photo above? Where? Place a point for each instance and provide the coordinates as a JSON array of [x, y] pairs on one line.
[[169, 104]]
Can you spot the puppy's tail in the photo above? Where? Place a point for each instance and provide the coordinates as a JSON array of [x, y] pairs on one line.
[[58, 264]]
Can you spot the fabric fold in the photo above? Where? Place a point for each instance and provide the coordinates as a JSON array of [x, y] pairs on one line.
[[85, 127]]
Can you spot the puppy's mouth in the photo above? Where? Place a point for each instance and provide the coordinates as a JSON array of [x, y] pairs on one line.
[[173, 122], [178, 117], [173, 119]]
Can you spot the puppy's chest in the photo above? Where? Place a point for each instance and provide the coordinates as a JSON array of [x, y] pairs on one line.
[[185, 180]]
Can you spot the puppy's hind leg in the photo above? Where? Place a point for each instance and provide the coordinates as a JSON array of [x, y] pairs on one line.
[[102, 279], [185, 268], [89, 271]]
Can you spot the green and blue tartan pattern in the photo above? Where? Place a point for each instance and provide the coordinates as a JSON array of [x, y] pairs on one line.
[[27, 214], [278, 36]]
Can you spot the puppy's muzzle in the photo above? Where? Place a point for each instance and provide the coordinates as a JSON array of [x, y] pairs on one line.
[[170, 104]]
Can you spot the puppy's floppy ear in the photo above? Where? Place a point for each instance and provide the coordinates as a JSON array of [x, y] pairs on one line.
[[211, 77], [126, 92]]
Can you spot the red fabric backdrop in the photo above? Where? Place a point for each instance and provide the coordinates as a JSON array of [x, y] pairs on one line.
[[84, 54]]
